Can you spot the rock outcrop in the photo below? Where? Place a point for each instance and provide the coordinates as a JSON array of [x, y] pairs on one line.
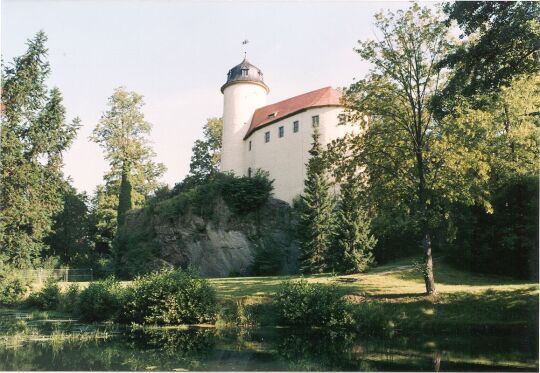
[[224, 244]]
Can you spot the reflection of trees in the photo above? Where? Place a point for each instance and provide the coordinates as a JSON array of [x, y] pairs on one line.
[[320, 350], [174, 342]]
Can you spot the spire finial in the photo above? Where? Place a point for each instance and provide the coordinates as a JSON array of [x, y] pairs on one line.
[[245, 51]]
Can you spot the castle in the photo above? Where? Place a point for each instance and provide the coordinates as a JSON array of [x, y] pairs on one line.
[[277, 137]]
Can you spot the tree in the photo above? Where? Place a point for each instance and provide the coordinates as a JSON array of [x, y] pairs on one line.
[[206, 157], [34, 136], [501, 41], [412, 161], [317, 216], [70, 237], [123, 134], [124, 199], [354, 243]]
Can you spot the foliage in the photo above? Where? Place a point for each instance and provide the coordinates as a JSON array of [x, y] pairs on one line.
[[122, 132], [34, 137], [169, 297], [101, 300], [48, 298], [124, 199], [206, 153], [317, 218], [300, 303], [245, 194], [353, 244], [504, 242], [414, 164], [500, 43], [241, 194], [268, 259], [13, 285], [69, 299], [70, 239]]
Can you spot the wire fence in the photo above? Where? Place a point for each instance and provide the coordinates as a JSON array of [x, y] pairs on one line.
[[62, 275]]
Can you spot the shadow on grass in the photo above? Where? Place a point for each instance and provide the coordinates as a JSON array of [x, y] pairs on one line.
[[446, 275]]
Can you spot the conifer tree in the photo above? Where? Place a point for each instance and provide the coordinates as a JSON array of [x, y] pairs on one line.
[[317, 212], [354, 243], [124, 199], [34, 135]]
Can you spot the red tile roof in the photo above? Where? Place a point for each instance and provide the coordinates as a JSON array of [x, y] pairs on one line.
[[266, 115]]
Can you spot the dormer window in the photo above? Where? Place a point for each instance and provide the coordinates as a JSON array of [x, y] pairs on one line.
[[272, 115], [245, 72]]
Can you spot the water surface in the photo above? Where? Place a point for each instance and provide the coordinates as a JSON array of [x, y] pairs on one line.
[[276, 349]]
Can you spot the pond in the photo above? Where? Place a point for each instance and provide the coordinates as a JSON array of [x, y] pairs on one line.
[[67, 345]]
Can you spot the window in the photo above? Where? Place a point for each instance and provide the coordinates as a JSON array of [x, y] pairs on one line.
[[342, 119], [281, 131], [267, 137], [272, 115], [245, 72], [249, 172], [296, 125], [249, 145], [315, 120]]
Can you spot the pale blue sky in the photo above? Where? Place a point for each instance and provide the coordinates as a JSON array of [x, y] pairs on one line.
[[177, 54]]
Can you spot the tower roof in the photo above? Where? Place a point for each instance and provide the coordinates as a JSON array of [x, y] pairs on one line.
[[245, 72], [269, 114]]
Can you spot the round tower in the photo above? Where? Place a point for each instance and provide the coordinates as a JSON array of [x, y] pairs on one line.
[[243, 92]]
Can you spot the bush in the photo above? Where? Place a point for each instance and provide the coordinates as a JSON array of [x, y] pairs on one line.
[[47, 298], [246, 194], [69, 300], [300, 303], [13, 286], [169, 297], [100, 300]]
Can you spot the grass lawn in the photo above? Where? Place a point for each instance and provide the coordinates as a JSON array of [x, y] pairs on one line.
[[464, 299], [396, 291]]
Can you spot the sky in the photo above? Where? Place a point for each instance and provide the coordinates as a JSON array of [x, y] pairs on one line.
[[177, 54]]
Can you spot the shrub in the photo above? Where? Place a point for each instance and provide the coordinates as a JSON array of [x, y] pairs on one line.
[[13, 286], [300, 303], [100, 300], [246, 194], [69, 299], [47, 298], [235, 313], [169, 297]]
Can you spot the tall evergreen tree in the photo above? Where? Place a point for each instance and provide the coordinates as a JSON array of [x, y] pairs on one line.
[[34, 136], [354, 243], [124, 199], [317, 217]]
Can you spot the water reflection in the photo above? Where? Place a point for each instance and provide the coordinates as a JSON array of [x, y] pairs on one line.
[[278, 349]]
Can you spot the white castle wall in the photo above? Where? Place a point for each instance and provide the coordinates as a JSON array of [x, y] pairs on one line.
[[240, 102], [285, 158]]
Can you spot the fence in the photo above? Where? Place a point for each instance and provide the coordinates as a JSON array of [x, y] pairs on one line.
[[63, 274]]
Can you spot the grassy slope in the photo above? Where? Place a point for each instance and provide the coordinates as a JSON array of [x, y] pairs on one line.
[[464, 299]]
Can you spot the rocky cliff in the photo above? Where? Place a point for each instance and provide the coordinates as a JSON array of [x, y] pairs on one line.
[[218, 243]]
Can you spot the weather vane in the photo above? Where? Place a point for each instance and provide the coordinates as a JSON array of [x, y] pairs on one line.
[[245, 50]]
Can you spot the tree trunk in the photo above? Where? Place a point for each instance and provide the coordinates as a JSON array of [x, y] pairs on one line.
[[428, 265], [426, 242]]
